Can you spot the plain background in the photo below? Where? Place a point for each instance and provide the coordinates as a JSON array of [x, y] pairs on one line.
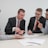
[[9, 8]]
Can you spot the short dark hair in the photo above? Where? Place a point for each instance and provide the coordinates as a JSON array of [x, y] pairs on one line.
[[39, 9], [46, 9], [21, 10]]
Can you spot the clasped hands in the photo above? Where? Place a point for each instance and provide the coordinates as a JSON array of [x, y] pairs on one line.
[[19, 31]]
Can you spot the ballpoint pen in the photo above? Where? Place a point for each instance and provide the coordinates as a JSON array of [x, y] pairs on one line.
[[34, 43]]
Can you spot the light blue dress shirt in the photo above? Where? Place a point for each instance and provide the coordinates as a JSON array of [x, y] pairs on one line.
[[45, 30]]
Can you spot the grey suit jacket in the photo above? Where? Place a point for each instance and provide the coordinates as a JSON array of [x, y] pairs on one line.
[[5, 37], [45, 30]]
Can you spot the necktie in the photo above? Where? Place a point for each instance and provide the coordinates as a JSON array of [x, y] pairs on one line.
[[35, 25]]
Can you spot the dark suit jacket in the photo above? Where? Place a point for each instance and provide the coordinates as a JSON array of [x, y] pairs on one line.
[[31, 24], [12, 23]]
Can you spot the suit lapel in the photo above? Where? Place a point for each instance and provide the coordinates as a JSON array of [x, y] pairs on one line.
[[14, 22], [40, 19]]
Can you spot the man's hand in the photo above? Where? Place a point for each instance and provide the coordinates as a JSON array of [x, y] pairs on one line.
[[40, 25], [21, 32], [17, 30], [18, 36], [30, 32]]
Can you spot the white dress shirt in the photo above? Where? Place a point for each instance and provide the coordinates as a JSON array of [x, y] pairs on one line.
[[13, 29], [35, 23]]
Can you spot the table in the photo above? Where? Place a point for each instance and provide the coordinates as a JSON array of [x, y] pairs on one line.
[[15, 44]]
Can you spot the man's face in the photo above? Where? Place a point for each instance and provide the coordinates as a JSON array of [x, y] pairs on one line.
[[38, 14], [21, 15], [46, 14]]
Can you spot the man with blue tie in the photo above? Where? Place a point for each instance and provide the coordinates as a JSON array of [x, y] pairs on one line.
[[44, 30]]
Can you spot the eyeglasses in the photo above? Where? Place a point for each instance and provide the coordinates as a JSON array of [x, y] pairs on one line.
[[37, 14], [46, 14]]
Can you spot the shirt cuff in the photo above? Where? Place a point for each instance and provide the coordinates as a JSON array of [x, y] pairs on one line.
[[42, 29], [13, 29]]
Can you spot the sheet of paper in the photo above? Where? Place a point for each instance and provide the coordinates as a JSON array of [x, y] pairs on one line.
[[33, 41], [37, 41], [24, 42]]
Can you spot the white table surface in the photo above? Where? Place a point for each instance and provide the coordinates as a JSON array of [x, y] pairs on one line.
[[15, 44]]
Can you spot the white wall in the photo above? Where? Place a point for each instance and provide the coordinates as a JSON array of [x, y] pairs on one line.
[[9, 9]]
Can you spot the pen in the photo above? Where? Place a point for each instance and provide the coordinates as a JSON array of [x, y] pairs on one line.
[[34, 43]]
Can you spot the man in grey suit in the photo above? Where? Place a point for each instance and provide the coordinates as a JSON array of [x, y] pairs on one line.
[[8, 37], [44, 30]]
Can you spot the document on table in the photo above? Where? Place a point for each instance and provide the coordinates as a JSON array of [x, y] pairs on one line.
[[30, 42], [24, 42], [37, 41]]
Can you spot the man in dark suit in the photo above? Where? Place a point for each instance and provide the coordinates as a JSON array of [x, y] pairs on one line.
[[34, 21], [16, 25]]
